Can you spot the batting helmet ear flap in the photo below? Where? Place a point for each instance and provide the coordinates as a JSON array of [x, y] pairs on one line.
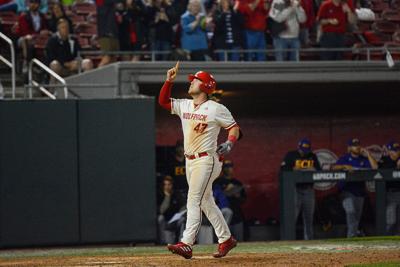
[[203, 86]]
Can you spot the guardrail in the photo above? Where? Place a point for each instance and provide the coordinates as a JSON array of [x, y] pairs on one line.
[[289, 180], [11, 63], [368, 52], [33, 83]]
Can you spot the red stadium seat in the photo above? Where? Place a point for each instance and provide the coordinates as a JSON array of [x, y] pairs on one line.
[[364, 26], [8, 16], [84, 9], [377, 38], [86, 29], [391, 15], [9, 19], [378, 7], [40, 42], [76, 19], [385, 26], [92, 18], [351, 39], [84, 43]]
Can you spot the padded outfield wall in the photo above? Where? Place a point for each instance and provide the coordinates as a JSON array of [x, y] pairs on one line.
[[75, 172]]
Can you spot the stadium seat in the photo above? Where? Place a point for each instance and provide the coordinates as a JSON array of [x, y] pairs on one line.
[[9, 19], [40, 44], [8, 16], [351, 39], [76, 19], [86, 29], [378, 7], [41, 40], [84, 9], [364, 26], [385, 26], [84, 43], [377, 38], [92, 18], [391, 15]]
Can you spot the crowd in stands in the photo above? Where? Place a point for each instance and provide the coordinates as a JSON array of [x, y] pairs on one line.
[[203, 29]]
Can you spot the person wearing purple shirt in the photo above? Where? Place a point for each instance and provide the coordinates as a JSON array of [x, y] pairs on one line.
[[353, 193]]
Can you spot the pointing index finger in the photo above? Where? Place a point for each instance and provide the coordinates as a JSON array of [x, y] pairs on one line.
[[177, 66]]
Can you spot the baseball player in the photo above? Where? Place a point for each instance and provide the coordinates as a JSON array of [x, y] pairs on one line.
[[392, 161], [353, 193], [201, 122], [303, 159]]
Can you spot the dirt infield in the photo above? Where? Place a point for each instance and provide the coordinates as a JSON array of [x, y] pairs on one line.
[[239, 259], [277, 253]]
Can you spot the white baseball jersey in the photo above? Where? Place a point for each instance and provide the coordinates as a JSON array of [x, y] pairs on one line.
[[201, 124]]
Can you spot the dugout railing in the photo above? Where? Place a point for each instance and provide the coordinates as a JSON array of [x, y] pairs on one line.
[[289, 180]]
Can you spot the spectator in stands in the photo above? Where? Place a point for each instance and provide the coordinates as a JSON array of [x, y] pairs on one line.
[[8, 5], [194, 37], [169, 203], [353, 193], [177, 169], [161, 16], [30, 24], [303, 159], [107, 30], [180, 6], [57, 13], [392, 161], [129, 16], [235, 195], [292, 14], [22, 6], [228, 32], [62, 51], [255, 15], [333, 17], [308, 25]]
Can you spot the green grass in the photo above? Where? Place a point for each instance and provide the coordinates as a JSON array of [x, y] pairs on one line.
[[369, 238], [331, 246]]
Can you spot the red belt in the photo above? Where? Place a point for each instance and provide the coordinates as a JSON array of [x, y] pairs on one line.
[[197, 155]]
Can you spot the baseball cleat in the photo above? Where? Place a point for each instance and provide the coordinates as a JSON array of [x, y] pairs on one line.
[[181, 249], [225, 247]]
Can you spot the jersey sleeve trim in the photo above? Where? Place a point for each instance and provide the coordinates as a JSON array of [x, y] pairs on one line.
[[231, 126]]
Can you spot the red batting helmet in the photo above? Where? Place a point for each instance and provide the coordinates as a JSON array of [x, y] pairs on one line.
[[208, 84]]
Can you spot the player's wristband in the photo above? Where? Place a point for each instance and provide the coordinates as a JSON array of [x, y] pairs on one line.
[[232, 138]]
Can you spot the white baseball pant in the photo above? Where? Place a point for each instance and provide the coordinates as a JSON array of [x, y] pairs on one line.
[[201, 173]]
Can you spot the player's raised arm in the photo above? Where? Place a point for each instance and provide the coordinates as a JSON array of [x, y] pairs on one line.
[[164, 99]]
